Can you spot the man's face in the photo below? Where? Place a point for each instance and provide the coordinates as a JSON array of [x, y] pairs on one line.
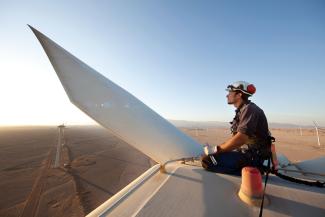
[[233, 97]]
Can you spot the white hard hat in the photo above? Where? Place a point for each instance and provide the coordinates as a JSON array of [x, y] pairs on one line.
[[242, 86]]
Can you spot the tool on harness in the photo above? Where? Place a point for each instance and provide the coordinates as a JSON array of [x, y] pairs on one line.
[[274, 158]]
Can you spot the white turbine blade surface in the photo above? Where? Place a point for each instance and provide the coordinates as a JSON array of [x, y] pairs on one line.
[[116, 109]]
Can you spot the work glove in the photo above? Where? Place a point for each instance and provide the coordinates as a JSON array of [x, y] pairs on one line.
[[209, 150]]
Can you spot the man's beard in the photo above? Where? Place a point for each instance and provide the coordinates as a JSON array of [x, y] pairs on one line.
[[230, 102]]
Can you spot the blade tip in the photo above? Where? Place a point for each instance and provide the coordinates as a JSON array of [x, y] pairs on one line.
[[35, 31], [30, 27]]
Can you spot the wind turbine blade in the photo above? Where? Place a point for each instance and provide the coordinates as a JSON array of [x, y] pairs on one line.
[[116, 109]]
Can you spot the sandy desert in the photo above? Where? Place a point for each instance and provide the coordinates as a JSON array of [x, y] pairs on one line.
[[95, 165]]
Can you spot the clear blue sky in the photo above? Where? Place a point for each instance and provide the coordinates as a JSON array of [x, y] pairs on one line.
[[175, 56]]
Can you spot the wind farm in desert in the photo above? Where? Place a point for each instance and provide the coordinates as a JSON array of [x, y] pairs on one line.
[[95, 165]]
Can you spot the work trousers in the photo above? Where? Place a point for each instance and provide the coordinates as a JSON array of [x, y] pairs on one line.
[[231, 162]]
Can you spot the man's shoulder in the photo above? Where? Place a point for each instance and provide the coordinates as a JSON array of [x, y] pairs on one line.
[[251, 107]]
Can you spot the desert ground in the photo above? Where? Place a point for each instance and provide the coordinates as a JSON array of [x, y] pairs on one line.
[[95, 165]]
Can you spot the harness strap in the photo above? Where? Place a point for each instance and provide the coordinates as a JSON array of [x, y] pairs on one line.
[[266, 178]]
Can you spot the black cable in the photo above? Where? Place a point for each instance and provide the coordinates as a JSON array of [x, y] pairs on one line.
[[300, 181]]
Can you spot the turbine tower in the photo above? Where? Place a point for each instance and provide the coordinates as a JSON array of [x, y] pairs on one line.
[[317, 134], [59, 145]]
